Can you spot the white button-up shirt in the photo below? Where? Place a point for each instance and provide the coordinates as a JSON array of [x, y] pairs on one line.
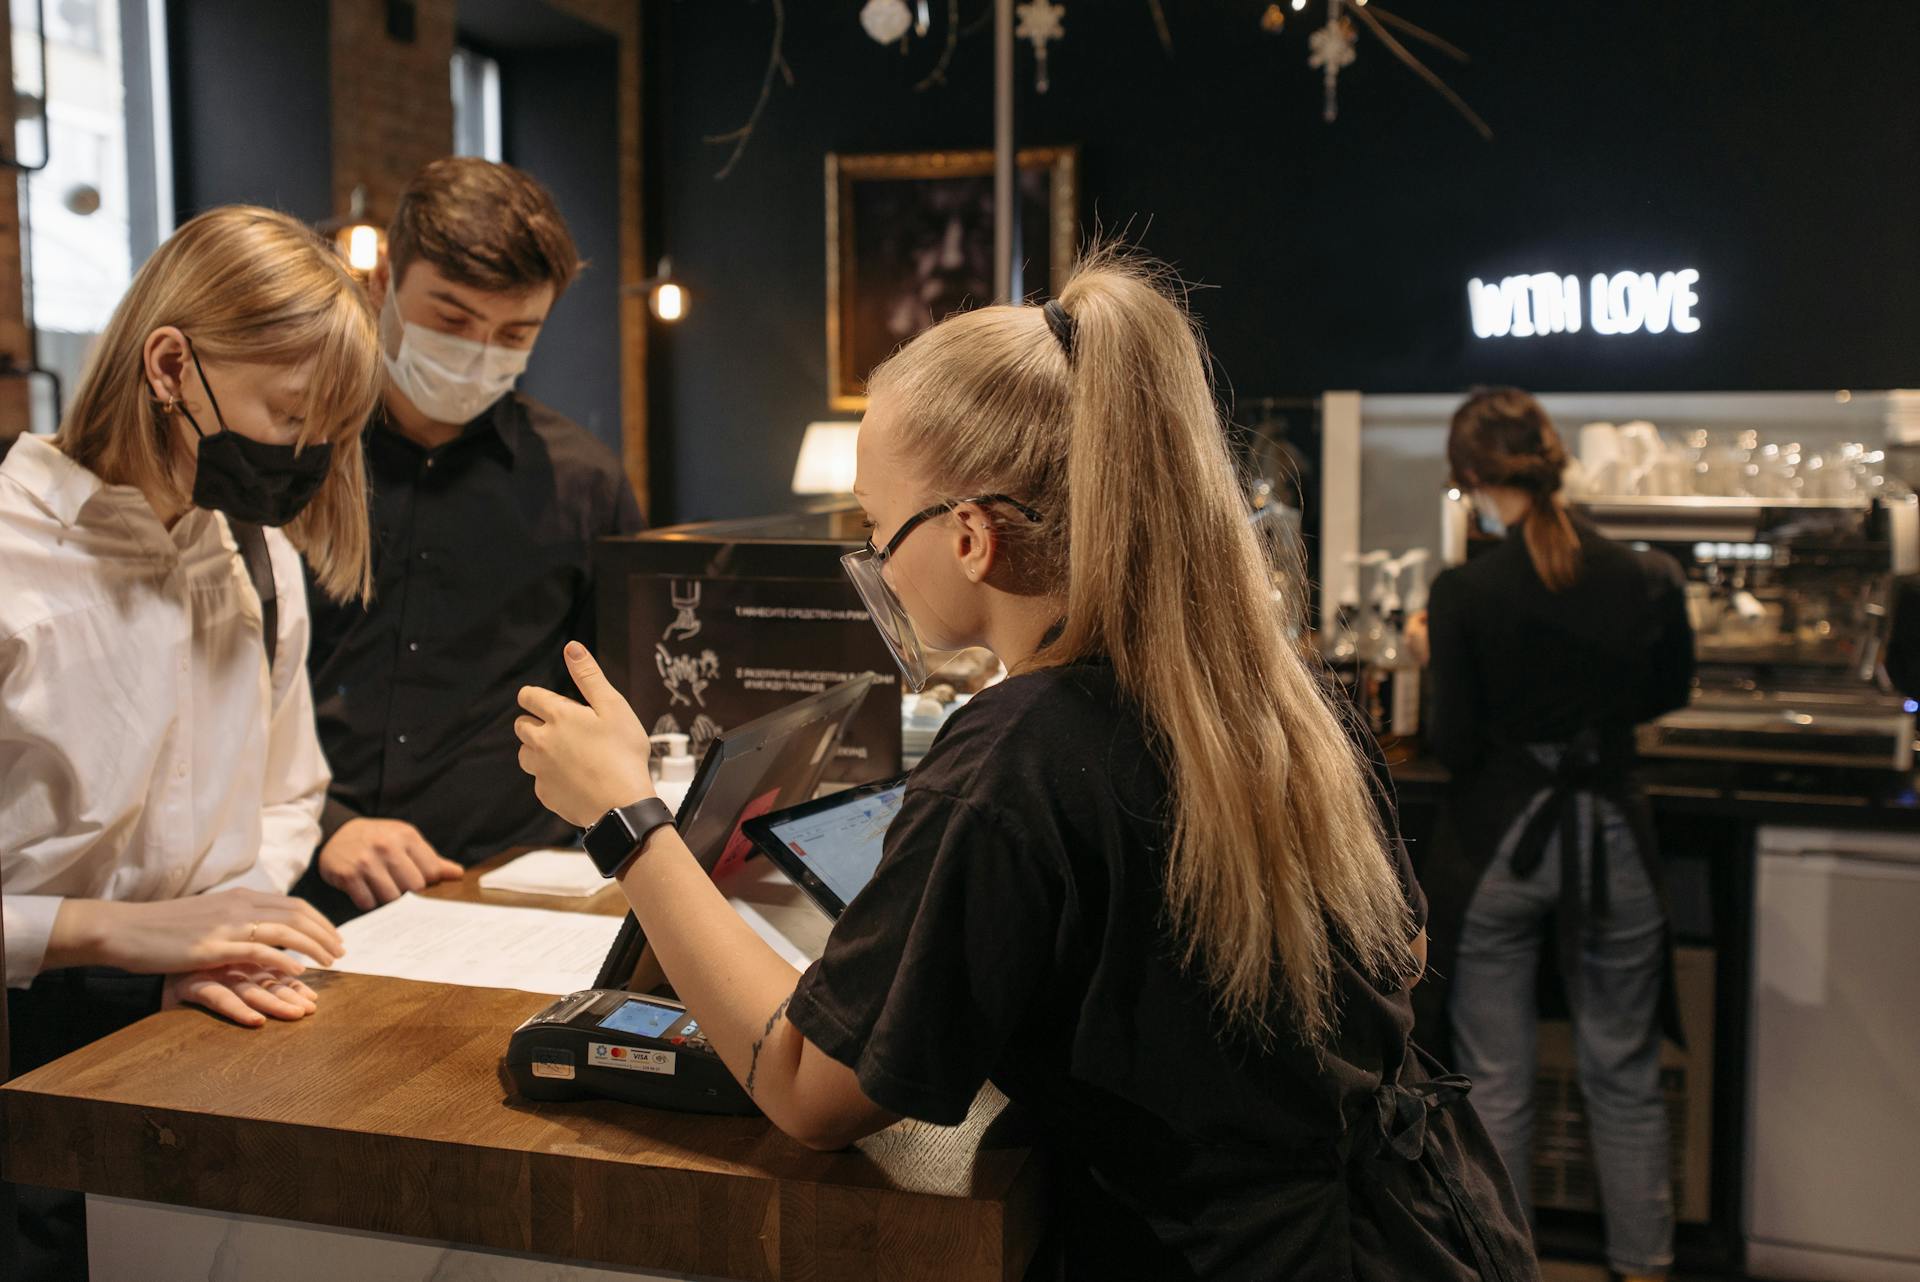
[[145, 751]]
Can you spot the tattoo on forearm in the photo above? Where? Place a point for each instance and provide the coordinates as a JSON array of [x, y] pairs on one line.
[[753, 1062]]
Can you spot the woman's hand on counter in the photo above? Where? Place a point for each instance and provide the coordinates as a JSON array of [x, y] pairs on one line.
[[585, 759], [375, 861], [244, 994], [194, 933]]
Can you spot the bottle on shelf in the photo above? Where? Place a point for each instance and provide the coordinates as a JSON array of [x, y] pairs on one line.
[[1404, 709]]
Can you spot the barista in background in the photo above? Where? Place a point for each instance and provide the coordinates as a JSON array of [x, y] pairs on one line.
[[486, 507], [1546, 651]]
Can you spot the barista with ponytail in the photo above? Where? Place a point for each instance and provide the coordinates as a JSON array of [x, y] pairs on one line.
[[1141, 885], [1546, 651]]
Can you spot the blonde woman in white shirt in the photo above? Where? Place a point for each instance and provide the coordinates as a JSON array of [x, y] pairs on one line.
[[160, 781]]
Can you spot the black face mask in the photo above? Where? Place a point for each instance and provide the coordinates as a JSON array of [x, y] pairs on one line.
[[250, 480]]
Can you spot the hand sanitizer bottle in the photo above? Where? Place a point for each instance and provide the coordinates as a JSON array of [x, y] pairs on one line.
[[675, 769]]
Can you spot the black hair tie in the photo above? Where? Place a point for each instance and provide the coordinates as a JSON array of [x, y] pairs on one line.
[[1061, 324]]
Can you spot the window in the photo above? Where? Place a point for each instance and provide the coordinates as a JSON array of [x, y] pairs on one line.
[[93, 212], [476, 105]]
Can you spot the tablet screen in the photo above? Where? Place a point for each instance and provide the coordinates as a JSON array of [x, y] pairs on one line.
[[841, 844]]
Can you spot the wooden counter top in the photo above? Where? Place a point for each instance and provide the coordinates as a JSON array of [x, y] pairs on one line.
[[388, 1111]]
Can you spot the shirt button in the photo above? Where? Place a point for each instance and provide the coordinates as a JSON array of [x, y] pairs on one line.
[[430, 463], [399, 738], [413, 647], [423, 556]]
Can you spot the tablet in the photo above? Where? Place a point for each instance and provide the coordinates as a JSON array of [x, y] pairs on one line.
[[749, 770], [830, 847]]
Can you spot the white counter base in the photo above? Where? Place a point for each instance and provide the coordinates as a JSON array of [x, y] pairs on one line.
[[147, 1242]]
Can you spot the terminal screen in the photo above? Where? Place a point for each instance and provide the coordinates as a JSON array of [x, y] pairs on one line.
[[841, 845], [645, 1019]]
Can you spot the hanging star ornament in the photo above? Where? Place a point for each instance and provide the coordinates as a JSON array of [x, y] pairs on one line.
[[1041, 21], [1331, 50]]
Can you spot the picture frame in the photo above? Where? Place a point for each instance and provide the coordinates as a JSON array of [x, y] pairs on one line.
[[910, 240]]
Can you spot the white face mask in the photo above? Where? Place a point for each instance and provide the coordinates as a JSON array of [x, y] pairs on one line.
[[450, 380], [1489, 515]]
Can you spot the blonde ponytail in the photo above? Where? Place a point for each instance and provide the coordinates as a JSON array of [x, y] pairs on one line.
[[1277, 849]]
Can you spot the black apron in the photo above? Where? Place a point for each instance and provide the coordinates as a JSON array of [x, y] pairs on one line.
[[1420, 1148], [1484, 807]]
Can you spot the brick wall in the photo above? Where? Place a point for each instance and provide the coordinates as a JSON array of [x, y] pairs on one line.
[[392, 110]]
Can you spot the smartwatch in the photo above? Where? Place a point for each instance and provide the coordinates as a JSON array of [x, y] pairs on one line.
[[617, 838]]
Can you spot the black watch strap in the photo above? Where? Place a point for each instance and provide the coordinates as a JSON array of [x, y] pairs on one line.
[[617, 838]]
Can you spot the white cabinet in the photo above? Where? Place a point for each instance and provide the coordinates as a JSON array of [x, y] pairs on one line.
[[1833, 1124]]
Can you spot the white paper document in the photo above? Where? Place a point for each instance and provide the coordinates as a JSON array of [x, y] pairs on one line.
[[445, 941], [540, 950], [547, 872]]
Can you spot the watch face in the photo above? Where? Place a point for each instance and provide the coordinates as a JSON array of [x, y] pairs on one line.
[[613, 840], [609, 842]]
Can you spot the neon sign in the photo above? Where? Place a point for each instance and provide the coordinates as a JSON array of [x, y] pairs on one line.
[[1549, 303]]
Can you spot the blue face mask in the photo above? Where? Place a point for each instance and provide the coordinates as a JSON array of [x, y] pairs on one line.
[[1489, 515]]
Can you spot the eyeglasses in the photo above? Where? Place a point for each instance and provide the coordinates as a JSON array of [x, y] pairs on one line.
[[914, 522], [889, 615]]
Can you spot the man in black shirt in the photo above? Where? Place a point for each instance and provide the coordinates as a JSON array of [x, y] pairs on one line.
[[485, 509]]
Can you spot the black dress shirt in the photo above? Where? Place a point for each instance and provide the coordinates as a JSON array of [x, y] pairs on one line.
[[483, 571]]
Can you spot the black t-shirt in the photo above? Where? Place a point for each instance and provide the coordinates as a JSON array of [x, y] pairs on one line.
[[1015, 930], [1514, 663]]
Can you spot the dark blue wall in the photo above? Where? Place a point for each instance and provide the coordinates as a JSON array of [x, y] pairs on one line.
[[1771, 147], [250, 102], [560, 122]]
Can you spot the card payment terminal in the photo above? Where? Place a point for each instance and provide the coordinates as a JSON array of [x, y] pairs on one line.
[[604, 1042]]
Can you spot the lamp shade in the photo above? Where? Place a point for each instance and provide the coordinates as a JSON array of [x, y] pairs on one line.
[[826, 462]]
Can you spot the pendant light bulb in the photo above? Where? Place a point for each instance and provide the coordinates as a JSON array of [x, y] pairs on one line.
[[667, 300]]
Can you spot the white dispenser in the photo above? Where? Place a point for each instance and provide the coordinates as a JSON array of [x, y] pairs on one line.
[[675, 765]]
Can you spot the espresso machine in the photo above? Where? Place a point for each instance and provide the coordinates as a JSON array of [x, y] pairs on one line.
[[1789, 600]]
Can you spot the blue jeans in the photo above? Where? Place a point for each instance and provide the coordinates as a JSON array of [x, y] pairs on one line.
[[1615, 999]]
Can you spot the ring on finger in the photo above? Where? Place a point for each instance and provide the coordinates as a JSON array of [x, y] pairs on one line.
[[253, 928]]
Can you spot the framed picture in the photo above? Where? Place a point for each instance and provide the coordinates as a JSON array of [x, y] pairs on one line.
[[910, 241]]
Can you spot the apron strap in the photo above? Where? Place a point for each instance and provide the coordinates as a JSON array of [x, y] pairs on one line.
[[1405, 1112], [1492, 1262], [1586, 769]]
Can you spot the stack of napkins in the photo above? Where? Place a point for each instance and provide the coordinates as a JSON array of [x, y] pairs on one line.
[[547, 872]]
